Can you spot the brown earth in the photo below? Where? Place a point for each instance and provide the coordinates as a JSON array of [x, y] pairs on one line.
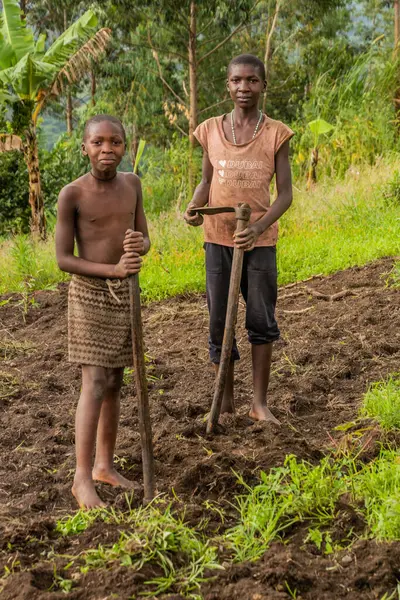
[[329, 352]]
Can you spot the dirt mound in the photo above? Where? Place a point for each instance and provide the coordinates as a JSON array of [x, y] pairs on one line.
[[339, 333]]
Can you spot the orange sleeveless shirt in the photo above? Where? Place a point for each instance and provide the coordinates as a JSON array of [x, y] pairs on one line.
[[242, 173]]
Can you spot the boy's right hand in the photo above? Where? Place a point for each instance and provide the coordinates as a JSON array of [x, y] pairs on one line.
[[192, 218], [129, 264]]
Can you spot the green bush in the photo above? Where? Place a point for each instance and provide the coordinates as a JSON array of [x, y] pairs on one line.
[[14, 194]]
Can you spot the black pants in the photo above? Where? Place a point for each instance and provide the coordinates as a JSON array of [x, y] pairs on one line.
[[259, 289]]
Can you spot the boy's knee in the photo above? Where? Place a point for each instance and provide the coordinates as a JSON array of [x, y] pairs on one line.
[[105, 383], [114, 378], [98, 385]]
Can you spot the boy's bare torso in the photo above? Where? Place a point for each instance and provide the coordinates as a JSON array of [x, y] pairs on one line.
[[103, 213]]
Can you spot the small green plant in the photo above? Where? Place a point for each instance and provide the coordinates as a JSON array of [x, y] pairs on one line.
[[292, 593], [322, 540], [382, 402], [59, 583], [163, 539], [80, 521]]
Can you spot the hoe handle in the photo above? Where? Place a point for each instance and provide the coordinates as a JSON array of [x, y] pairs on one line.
[[243, 216], [141, 388]]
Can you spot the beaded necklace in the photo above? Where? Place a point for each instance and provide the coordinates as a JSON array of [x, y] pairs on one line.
[[255, 130]]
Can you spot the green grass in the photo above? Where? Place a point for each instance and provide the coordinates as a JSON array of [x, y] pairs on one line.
[[332, 227], [382, 402], [377, 485], [296, 492], [152, 535]]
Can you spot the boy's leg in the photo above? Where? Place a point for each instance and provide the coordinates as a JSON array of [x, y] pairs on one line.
[[218, 271], [259, 288], [261, 357], [104, 469], [87, 417]]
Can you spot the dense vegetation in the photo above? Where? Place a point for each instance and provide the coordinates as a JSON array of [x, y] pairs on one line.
[[330, 60]]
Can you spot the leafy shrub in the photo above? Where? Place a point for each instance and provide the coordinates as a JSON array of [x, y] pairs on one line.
[[14, 193]]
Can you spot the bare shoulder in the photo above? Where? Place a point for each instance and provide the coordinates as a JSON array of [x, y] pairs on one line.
[[72, 191], [132, 180]]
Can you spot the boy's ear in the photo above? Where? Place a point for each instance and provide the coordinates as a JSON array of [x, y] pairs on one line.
[[83, 148]]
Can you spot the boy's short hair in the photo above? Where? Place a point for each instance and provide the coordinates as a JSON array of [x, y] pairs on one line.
[[100, 119], [248, 59]]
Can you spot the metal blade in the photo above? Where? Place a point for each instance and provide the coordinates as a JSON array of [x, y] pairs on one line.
[[211, 210]]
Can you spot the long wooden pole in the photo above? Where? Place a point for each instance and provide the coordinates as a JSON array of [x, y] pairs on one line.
[[242, 215], [141, 389]]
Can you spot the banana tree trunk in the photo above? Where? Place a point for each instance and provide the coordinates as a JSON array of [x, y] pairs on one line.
[[31, 154]]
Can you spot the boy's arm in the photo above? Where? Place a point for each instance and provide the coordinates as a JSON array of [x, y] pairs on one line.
[[201, 193], [246, 239], [67, 261], [138, 240]]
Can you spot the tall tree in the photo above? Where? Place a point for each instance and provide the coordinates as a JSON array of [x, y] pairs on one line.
[[187, 39], [30, 75]]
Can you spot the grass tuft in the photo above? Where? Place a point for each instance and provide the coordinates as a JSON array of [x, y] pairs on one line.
[[152, 535], [382, 402]]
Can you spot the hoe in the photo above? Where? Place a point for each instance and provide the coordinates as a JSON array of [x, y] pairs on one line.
[[141, 389], [242, 212]]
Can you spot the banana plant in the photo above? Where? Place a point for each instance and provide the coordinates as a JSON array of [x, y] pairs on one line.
[[31, 75], [318, 127]]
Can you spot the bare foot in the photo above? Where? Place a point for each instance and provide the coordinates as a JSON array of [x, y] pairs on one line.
[[112, 477], [262, 413], [86, 495]]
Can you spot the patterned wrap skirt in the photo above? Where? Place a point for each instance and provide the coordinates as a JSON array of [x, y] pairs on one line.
[[99, 327]]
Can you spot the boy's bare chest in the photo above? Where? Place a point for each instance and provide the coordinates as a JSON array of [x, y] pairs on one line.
[[102, 208]]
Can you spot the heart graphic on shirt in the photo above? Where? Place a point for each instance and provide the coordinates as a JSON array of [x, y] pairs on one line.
[[222, 163], [221, 181], [221, 173]]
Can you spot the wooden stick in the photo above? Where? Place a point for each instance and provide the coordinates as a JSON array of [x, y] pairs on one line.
[[141, 389], [242, 215]]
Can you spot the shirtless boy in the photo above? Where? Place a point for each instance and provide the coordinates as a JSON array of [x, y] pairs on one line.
[[242, 151], [103, 212]]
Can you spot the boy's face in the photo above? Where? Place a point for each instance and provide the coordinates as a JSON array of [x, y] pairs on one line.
[[104, 145], [245, 85]]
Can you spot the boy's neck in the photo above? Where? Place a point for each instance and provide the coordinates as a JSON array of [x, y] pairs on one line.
[[245, 114], [108, 176]]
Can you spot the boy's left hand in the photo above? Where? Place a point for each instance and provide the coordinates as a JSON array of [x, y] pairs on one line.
[[246, 239], [134, 241]]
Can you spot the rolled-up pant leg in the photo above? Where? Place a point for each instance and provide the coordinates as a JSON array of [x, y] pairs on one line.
[[218, 272]]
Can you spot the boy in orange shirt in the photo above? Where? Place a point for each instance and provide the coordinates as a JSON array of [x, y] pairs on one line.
[[242, 151]]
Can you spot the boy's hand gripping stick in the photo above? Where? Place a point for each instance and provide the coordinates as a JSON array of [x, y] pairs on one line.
[[141, 388], [243, 212]]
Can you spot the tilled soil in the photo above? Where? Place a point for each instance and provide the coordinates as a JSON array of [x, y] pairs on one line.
[[339, 333]]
